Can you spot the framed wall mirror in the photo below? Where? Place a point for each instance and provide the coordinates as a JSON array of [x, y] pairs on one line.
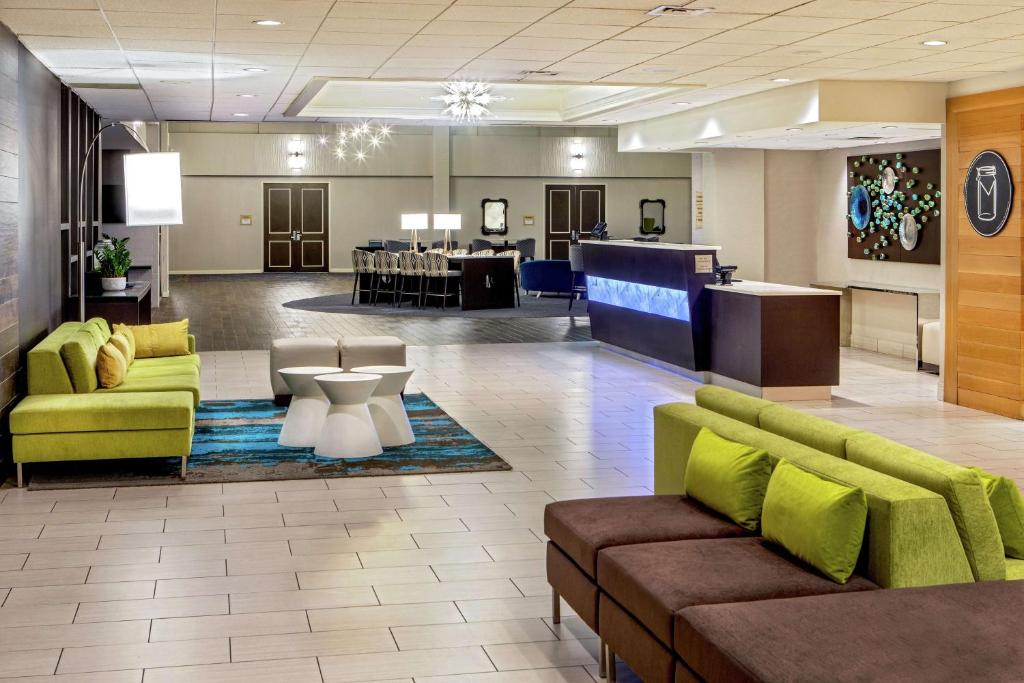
[[495, 216], [652, 216]]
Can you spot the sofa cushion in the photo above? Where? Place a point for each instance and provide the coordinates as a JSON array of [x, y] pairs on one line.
[[111, 365], [126, 332], [136, 383], [47, 373], [121, 342], [911, 539], [1008, 507], [161, 367], [163, 339], [728, 477], [810, 430], [100, 411], [1014, 569], [819, 521], [958, 632], [79, 355], [968, 503], [583, 527], [732, 404], [655, 580]]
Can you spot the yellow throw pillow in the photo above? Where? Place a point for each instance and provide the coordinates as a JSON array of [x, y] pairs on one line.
[[165, 339], [111, 366], [121, 342], [126, 331]]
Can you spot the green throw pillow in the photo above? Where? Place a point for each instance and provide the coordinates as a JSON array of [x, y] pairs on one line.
[[819, 521], [1008, 505], [728, 477]]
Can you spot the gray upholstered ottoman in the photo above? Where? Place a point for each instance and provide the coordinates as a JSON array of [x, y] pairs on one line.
[[359, 351], [299, 352]]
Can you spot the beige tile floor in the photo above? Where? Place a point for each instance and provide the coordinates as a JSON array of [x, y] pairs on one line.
[[436, 578]]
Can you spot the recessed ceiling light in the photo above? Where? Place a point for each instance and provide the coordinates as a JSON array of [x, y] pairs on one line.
[[887, 127], [246, 95], [780, 80], [793, 130], [254, 69], [681, 104], [240, 114], [267, 22], [934, 43]]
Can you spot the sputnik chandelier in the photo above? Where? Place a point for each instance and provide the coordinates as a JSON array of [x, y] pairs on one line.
[[466, 102], [357, 140]]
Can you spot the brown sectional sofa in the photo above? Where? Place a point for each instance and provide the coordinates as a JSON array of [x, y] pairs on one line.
[[661, 578]]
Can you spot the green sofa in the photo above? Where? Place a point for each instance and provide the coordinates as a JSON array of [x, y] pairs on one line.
[[68, 416], [975, 539]]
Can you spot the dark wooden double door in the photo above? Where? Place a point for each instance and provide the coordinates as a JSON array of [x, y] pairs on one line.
[[296, 234], [568, 208]]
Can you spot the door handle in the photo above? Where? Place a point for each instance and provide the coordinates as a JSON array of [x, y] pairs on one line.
[[296, 236]]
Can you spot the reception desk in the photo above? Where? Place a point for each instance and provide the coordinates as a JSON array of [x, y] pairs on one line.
[[660, 301]]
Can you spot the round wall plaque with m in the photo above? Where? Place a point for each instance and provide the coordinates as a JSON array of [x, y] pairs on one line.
[[988, 193]]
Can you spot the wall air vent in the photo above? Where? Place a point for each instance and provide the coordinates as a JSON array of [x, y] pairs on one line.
[[866, 137], [538, 72], [678, 10]]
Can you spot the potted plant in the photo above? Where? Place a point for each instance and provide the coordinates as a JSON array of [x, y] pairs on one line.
[[115, 260]]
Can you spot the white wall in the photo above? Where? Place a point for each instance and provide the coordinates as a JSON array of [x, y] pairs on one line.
[[790, 220]]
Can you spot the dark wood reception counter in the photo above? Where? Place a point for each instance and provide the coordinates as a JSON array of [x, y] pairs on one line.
[[660, 301]]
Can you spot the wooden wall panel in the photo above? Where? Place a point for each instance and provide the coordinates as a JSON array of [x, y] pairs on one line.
[[984, 356]]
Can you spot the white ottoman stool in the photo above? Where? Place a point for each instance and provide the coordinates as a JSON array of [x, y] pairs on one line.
[[308, 408], [297, 352], [348, 430], [386, 406], [359, 351]]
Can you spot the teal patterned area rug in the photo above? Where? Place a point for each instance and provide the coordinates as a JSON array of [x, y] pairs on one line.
[[237, 441]]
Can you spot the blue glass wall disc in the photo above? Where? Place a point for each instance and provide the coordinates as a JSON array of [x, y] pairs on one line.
[[860, 207]]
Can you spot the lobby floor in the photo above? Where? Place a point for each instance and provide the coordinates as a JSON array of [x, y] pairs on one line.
[[233, 312], [436, 578]]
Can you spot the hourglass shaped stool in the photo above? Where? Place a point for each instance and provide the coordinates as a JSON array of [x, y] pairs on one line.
[[348, 430], [386, 406], [308, 408]]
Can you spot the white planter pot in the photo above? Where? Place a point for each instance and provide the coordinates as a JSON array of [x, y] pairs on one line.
[[114, 284]]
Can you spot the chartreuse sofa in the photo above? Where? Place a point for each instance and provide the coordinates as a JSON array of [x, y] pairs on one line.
[[68, 416], [633, 568]]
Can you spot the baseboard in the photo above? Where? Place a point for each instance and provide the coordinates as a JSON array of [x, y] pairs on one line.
[[340, 270], [215, 272]]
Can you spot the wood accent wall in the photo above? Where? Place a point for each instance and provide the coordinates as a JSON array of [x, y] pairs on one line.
[[9, 350], [984, 354]]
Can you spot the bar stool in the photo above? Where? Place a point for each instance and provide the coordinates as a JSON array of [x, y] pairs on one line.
[[348, 430], [386, 406], [308, 408]]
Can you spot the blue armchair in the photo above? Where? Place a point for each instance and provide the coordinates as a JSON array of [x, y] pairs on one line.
[[546, 275]]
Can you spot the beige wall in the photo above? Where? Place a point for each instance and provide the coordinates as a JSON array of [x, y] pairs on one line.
[[790, 217], [225, 165]]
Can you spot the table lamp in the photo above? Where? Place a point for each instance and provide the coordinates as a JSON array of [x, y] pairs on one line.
[[447, 222], [414, 222]]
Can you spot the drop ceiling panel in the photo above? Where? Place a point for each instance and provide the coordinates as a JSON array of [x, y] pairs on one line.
[[160, 19]]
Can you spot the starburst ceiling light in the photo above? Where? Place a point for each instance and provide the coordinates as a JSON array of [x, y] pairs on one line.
[[467, 101], [360, 139]]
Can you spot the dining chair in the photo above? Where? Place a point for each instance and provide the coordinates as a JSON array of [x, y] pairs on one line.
[[478, 244], [387, 266], [483, 252], [576, 267], [411, 266], [437, 269], [517, 258], [460, 252], [362, 264], [395, 246], [527, 247]]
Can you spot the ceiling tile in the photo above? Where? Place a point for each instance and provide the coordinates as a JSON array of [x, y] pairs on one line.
[[275, 8], [367, 10], [408, 26], [745, 36], [167, 45], [497, 12], [466, 28], [546, 29], [184, 6], [266, 50], [262, 37], [601, 17], [938, 11], [160, 19], [848, 9], [159, 33], [674, 35]]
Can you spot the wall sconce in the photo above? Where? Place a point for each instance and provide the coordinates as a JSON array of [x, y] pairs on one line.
[[577, 160], [296, 155]]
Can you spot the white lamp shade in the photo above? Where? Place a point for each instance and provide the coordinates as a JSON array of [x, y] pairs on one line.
[[447, 221], [415, 221], [152, 188]]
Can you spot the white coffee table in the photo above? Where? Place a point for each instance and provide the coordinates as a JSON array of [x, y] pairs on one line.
[[348, 430], [386, 406], [308, 408]]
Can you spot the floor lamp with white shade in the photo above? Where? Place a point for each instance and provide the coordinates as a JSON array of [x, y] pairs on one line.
[[447, 222], [152, 189]]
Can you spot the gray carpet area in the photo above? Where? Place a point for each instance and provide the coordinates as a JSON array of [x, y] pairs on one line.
[[531, 307]]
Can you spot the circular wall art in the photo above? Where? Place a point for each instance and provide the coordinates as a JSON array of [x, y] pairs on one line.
[[860, 207], [909, 232], [889, 180], [988, 193]]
